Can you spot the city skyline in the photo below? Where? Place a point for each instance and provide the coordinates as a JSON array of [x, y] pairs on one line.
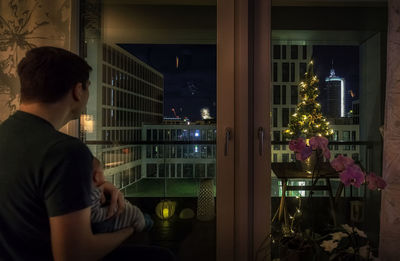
[[190, 73], [189, 76], [345, 60]]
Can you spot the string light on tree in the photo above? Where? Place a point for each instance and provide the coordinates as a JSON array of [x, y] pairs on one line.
[[308, 120]]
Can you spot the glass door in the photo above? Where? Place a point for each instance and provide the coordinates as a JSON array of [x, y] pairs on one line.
[[326, 87], [151, 117]]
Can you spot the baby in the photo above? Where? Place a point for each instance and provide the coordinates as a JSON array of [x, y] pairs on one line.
[[101, 223]]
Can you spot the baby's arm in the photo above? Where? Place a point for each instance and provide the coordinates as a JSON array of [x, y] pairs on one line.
[[97, 213], [132, 216]]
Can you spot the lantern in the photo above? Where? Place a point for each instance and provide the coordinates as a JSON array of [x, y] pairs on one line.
[[165, 209], [206, 201]]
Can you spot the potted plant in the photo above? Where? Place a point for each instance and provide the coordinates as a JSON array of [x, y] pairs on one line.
[[345, 243]]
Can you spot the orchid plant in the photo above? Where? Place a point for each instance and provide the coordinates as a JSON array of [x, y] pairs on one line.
[[346, 243], [343, 242], [349, 172]]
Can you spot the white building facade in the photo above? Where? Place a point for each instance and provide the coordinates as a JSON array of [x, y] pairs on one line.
[[127, 93], [185, 150]]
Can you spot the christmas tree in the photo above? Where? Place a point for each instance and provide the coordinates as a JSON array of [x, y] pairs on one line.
[[308, 120]]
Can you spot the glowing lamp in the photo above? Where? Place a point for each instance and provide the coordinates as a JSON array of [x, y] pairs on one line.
[[165, 209], [87, 122], [165, 212]]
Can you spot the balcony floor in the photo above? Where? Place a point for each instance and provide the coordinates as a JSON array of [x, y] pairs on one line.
[[188, 239], [159, 187]]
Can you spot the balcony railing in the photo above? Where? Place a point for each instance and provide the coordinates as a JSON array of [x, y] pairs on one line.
[[362, 153], [175, 168], [157, 169]]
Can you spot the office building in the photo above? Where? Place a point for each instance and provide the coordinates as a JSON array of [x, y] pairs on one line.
[[131, 94], [334, 100], [173, 152]]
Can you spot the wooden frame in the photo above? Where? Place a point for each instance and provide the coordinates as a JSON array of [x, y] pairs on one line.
[[261, 112], [225, 112], [243, 84]]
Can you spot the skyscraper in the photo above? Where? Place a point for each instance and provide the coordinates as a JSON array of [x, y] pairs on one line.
[[335, 103]]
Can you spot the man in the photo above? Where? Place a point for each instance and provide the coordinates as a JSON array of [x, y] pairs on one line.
[[45, 175]]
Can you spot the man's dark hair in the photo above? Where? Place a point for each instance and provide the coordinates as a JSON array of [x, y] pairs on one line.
[[48, 73]]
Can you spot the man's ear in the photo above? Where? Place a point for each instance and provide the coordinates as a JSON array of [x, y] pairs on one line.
[[77, 91]]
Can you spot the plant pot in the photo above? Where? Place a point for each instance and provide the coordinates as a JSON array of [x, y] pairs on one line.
[[357, 211], [295, 249], [311, 162], [349, 258], [296, 254]]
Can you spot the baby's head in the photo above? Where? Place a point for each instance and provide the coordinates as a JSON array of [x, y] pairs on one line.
[[98, 172]]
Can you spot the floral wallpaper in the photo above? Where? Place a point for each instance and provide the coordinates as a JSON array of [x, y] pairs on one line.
[[25, 24]]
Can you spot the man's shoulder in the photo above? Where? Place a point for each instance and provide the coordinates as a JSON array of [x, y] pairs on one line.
[[34, 131], [66, 144]]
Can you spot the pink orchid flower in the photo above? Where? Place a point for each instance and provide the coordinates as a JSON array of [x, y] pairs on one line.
[[297, 145], [300, 148], [352, 175], [304, 153], [340, 162], [375, 182], [319, 142], [326, 153]]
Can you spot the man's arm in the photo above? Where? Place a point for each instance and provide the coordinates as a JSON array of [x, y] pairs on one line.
[[72, 237]]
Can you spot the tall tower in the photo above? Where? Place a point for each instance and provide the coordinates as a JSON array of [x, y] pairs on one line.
[[335, 106]]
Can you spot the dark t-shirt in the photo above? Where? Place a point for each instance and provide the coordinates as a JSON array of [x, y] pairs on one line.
[[43, 173]]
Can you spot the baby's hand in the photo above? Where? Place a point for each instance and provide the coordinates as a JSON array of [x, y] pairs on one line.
[[102, 197]]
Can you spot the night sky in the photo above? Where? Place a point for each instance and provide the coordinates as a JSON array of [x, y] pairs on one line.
[[189, 87], [345, 62], [192, 85]]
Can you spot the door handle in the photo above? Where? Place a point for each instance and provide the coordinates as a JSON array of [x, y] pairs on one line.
[[261, 140], [228, 133]]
